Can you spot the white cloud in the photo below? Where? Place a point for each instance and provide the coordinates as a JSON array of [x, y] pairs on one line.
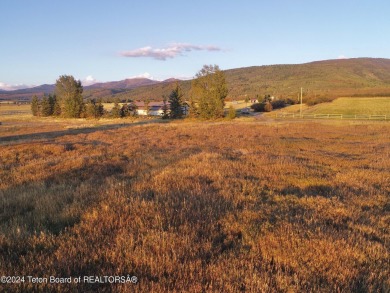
[[11, 87], [341, 57], [172, 51], [89, 80], [143, 75]]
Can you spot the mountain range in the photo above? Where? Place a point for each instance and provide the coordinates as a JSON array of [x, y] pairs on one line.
[[329, 78], [97, 89]]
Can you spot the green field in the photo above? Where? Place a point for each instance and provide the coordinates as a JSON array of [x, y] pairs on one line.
[[353, 106], [344, 106]]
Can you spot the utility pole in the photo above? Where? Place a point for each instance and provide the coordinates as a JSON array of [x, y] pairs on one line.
[[300, 107]]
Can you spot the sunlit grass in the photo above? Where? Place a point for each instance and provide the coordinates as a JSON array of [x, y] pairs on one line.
[[190, 206], [353, 106]]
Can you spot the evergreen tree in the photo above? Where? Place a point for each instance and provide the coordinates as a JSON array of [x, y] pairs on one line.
[[133, 108], [232, 112], [52, 102], [94, 110], [56, 108], [45, 107], [176, 103], [69, 92], [35, 106], [126, 110], [165, 109], [116, 111], [91, 109], [100, 108], [210, 90]]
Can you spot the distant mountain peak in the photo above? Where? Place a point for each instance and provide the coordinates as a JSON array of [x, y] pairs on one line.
[[128, 83], [326, 78], [172, 79]]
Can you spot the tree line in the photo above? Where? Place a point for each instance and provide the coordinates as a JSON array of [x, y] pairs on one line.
[[207, 99]]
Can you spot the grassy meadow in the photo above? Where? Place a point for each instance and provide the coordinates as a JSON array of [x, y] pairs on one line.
[[344, 106], [197, 207], [12, 109], [353, 106]]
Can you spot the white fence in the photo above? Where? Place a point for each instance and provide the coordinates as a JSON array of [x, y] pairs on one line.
[[333, 116]]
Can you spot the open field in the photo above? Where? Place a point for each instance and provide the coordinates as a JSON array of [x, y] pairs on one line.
[[353, 106], [192, 207], [12, 109], [342, 106]]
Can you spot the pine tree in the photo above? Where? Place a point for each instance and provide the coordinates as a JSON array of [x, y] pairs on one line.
[[176, 103], [52, 102], [45, 107], [35, 106]]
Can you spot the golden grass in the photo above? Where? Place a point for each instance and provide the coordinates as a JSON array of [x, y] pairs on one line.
[[14, 107], [191, 207], [345, 106], [353, 106]]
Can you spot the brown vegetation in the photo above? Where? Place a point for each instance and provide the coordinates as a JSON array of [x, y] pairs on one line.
[[192, 207]]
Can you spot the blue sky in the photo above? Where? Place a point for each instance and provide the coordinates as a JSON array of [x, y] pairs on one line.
[[114, 40]]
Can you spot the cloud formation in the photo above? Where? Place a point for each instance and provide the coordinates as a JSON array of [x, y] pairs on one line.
[[89, 80], [12, 87], [143, 75], [341, 57], [171, 51]]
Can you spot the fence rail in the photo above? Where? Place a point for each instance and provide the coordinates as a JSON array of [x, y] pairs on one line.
[[333, 116]]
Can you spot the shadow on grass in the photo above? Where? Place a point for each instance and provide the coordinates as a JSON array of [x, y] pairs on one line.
[[75, 131], [59, 199]]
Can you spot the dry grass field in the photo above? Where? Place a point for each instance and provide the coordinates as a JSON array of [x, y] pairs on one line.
[[345, 106], [352, 106], [197, 207]]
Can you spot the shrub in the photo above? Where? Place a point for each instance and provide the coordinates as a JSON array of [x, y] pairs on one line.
[[277, 104], [262, 107], [268, 107], [258, 107], [311, 101], [290, 101], [232, 112]]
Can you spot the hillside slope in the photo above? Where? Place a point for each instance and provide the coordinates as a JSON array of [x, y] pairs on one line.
[[320, 80], [349, 77], [330, 78]]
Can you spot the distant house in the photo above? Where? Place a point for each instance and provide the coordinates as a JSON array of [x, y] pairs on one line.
[[152, 109], [155, 108]]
